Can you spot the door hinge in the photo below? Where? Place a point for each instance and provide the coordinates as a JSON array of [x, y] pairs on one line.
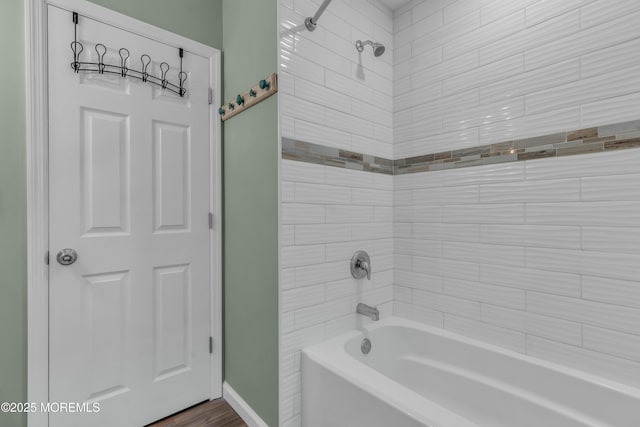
[[210, 345], [46, 258], [210, 96], [211, 221]]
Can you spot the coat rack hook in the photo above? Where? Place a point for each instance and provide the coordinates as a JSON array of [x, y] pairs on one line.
[[124, 56]]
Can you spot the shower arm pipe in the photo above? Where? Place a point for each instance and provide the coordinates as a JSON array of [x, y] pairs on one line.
[[312, 22]]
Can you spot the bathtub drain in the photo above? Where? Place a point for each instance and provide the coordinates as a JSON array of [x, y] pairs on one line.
[[365, 346]]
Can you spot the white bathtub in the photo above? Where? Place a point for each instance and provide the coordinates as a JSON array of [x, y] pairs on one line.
[[416, 375]]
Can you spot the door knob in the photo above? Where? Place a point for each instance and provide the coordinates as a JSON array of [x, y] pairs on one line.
[[67, 256]]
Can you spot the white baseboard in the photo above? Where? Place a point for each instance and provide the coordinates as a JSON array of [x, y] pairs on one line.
[[239, 405]]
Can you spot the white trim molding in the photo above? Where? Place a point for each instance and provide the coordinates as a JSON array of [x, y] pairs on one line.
[[37, 209], [243, 409], [216, 232], [37, 119]]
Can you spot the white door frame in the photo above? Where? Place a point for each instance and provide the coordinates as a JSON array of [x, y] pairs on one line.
[[38, 186]]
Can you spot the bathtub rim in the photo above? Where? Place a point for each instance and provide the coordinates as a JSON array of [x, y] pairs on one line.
[[336, 346]]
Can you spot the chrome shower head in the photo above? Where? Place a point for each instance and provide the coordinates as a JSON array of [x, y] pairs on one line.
[[378, 48]]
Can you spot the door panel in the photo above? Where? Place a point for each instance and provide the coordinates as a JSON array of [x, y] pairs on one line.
[[106, 306], [130, 192], [172, 169], [105, 152], [172, 288]]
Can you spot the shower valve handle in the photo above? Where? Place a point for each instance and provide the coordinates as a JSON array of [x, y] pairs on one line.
[[361, 265]]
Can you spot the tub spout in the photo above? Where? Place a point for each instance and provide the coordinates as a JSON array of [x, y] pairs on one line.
[[366, 310]]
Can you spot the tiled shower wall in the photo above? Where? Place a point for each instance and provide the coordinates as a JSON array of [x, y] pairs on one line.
[[330, 94], [475, 72], [333, 96], [540, 256], [329, 213]]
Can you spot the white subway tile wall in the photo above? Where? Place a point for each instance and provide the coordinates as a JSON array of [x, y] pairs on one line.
[[547, 250], [332, 95], [329, 93], [541, 257], [523, 68], [552, 261], [330, 214]]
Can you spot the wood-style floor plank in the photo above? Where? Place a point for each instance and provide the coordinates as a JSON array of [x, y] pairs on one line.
[[216, 413]]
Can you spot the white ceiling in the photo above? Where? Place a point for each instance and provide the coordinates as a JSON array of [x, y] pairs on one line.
[[394, 4]]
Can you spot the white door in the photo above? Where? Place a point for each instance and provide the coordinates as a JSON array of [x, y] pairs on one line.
[[130, 320]]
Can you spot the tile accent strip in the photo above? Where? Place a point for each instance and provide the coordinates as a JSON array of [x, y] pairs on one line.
[[329, 156], [591, 140]]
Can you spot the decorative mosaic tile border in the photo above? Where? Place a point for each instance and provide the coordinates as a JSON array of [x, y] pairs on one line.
[[591, 140], [598, 139], [329, 156]]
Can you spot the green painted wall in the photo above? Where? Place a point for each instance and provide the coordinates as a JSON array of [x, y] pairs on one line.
[[251, 209], [200, 20], [196, 19], [13, 270]]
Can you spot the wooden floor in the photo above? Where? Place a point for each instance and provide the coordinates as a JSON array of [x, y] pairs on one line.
[[216, 413]]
